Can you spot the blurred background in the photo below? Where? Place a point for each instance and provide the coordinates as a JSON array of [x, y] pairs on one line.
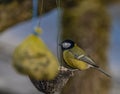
[[18, 19]]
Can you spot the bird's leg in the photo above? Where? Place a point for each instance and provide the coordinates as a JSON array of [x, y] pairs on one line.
[[62, 68]]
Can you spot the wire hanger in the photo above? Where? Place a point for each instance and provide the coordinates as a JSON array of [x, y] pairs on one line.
[[37, 29], [58, 3]]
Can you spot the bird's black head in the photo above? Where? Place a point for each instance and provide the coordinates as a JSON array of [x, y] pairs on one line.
[[67, 44]]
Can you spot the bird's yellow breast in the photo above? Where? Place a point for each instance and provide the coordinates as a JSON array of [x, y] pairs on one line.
[[74, 63]]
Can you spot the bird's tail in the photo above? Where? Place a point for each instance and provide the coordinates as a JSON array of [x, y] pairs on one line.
[[101, 70]]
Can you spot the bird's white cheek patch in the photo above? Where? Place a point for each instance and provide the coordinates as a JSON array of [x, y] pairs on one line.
[[66, 45]]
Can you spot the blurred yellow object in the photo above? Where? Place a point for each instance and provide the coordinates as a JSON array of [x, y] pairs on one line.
[[33, 58]]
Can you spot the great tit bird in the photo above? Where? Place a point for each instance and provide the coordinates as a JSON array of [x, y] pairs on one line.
[[76, 58], [33, 58]]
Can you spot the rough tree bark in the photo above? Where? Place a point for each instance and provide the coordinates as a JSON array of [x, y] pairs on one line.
[[87, 23]]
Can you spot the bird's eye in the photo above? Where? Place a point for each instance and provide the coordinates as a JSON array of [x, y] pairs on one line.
[[66, 45]]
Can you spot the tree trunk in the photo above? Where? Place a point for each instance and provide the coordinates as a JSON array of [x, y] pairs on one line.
[[87, 23]]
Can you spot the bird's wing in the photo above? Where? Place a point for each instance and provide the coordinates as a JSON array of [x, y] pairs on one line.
[[84, 58], [88, 60]]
